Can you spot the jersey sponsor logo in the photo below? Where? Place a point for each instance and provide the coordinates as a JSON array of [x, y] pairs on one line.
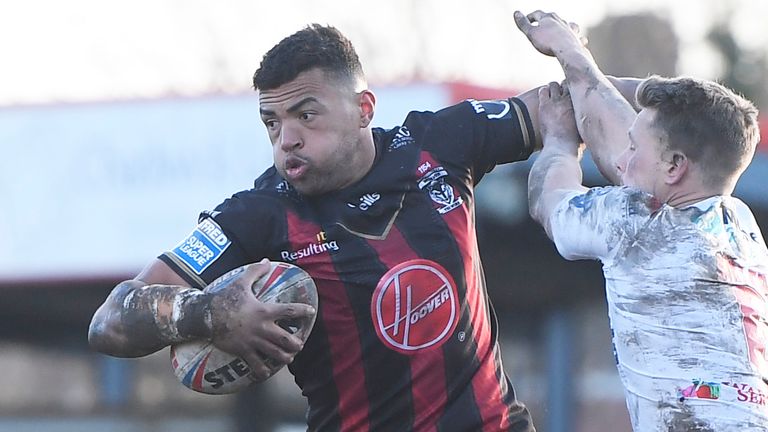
[[725, 390], [415, 306], [493, 109], [402, 138], [284, 187], [322, 245], [439, 190], [749, 394], [700, 390], [203, 246], [366, 201]]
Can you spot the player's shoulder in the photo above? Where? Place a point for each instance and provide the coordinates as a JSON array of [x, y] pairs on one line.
[[620, 199], [270, 192]]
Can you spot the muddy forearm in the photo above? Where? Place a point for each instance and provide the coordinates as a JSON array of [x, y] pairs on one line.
[[138, 319]]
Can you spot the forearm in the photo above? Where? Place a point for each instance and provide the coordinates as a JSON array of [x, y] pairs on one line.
[[603, 115], [554, 173], [138, 319]]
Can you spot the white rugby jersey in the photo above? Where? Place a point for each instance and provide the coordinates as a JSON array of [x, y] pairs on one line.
[[687, 298]]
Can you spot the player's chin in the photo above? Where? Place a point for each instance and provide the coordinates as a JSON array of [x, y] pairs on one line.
[[308, 187]]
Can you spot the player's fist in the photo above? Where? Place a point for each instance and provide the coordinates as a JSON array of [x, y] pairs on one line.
[[549, 33]]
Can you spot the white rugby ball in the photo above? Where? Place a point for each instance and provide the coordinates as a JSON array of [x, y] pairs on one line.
[[206, 369]]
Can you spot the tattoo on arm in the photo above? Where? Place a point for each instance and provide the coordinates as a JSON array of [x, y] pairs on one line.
[[163, 314]]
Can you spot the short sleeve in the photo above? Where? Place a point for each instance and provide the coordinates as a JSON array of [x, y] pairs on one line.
[[479, 135], [591, 225], [228, 237]]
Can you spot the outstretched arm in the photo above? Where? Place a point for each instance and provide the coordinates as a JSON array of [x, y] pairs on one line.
[[603, 115], [531, 100], [556, 172]]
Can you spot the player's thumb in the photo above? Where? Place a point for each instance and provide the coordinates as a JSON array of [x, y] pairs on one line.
[[522, 21]]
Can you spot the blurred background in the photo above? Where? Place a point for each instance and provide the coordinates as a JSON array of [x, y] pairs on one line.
[[120, 121]]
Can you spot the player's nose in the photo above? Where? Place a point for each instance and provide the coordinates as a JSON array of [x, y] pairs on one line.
[[290, 138]]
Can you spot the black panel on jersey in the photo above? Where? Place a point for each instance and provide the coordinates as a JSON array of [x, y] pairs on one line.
[[442, 248], [384, 368], [313, 358]]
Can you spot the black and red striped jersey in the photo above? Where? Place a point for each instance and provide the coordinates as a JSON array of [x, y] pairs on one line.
[[405, 338]]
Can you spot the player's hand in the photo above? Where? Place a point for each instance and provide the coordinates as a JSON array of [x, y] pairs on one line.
[[549, 33], [556, 117], [246, 327]]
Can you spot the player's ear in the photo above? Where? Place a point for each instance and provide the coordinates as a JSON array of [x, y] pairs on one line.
[[367, 102], [678, 166]]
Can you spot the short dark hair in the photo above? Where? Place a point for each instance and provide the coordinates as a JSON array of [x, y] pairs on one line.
[[709, 123], [314, 46]]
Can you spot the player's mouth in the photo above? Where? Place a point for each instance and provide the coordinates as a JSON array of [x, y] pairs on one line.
[[295, 167]]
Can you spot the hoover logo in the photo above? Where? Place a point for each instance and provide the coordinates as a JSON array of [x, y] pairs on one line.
[[203, 246], [415, 306]]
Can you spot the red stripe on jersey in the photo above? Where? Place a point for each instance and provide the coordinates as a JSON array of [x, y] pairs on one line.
[[427, 367], [750, 289], [485, 383], [342, 332]]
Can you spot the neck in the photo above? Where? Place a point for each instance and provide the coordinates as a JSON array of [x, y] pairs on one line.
[[362, 160], [686, 198]]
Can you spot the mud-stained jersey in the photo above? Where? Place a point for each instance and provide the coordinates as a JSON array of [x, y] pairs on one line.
[[686, 292], [405, 339]]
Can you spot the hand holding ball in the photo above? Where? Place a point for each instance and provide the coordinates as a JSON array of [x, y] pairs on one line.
[[242, 325]]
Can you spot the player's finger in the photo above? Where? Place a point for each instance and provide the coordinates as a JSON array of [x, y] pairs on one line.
[[284, 339], [259, 370], [554, 89], [544, 93], [282, 350], [292, 310], [522, 22], [536, 16], [256, 271]]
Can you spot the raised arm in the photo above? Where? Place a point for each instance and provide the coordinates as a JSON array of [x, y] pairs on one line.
[[603, 114], [556, 172]]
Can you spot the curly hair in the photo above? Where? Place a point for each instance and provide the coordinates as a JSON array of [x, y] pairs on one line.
[[709, 123], [314, 46]]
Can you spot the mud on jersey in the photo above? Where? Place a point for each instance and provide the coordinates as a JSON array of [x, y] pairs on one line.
[[405, 337], [687, 298]]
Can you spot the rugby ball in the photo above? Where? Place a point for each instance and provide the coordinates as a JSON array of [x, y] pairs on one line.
[[204, 368]]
